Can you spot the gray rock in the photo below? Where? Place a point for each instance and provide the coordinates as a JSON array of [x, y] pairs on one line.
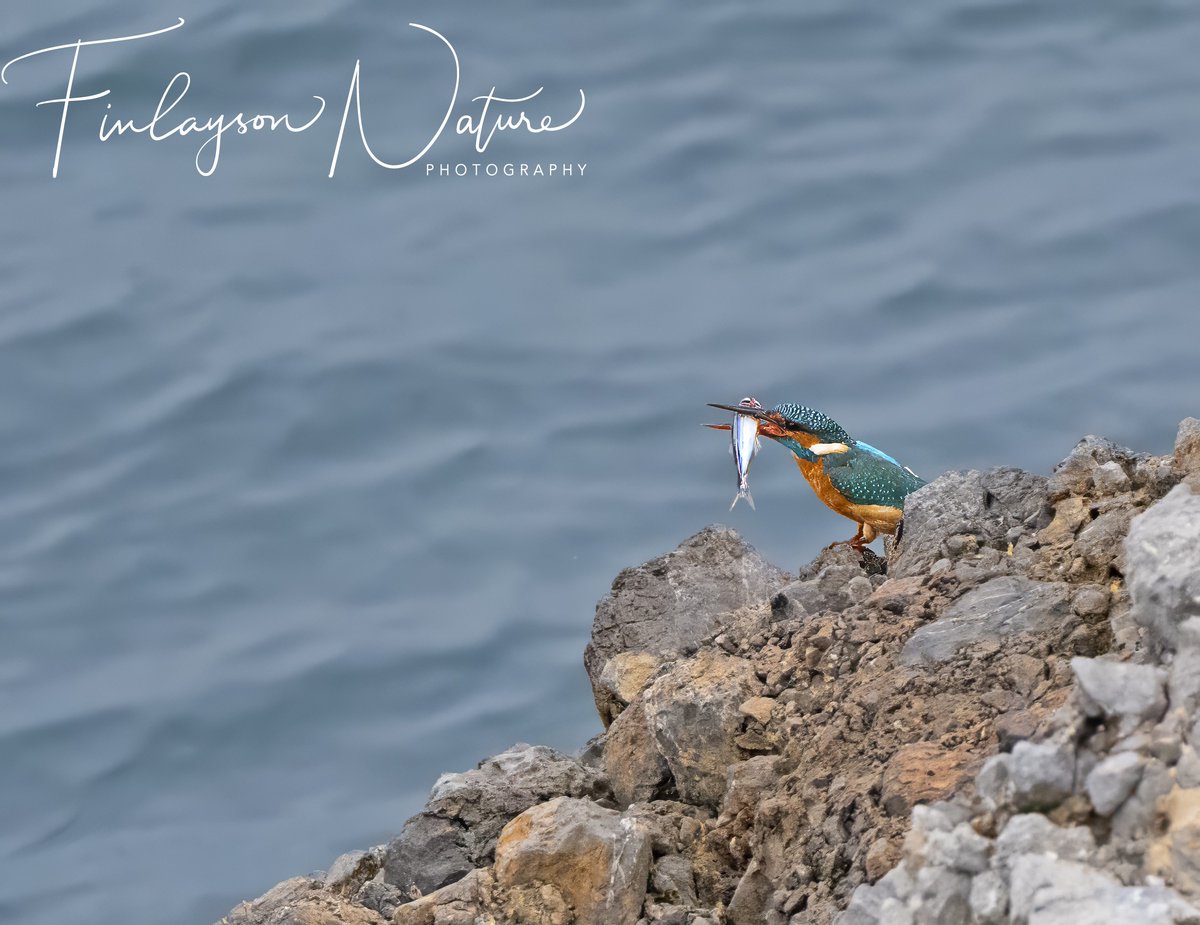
[[1048, 891], [1163, 565], [867, 901], [1033, 833], [999, 608], [459, 903], [669, 605], [1183, 686], [1043, 774], [986, 505], [429, 853], [1100, 543], [989, 898], [833, 581], [1139, 812], [591, 753], [1091, 601], [1187, 447], [694, 714], [674, 880], [894, 912], [1075, 475], [457, 830], [300, 901], [1112, 780], [940, 816], [1110, 478], [960, 849], [943, 897], [636, 770], [752, 897], [1187, 771], [352, 869], [993, 783], [382, 897], [1120, 689], [1040, 883]]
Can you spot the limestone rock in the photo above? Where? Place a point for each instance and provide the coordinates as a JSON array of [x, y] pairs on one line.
[[1043, 774], [833, 581], [468, 901], [669, 605], [301, 901], [1163, 564], [695, 717], [351, 870], [1111, 781], [592, 858], [1033, 833], [673, 879], [1120, 689], [1049, 891], [457, 830], [1076, 475], [1187, 447], [999, 608], [984, 505], [989, 898]]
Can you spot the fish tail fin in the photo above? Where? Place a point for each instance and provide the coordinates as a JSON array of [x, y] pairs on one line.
[[743, 493]]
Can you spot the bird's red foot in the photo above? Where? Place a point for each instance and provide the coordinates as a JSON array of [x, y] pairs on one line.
[[858, 543]]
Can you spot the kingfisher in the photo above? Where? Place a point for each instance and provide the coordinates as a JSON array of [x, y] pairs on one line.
[[851, 477]]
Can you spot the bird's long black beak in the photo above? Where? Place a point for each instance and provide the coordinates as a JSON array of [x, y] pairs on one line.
[[761, 413]]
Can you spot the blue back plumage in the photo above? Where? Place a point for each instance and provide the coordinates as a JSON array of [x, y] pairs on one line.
[[876, 451]]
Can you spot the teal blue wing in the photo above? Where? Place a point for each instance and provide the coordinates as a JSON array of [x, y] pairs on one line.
[[865, 477]]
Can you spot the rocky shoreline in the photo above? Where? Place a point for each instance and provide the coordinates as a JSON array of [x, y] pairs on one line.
[[993, 725]]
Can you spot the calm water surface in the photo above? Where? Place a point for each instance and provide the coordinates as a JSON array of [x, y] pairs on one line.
[[308, 487]]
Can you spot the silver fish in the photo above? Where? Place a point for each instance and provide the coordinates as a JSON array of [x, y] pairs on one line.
[[744, 444]]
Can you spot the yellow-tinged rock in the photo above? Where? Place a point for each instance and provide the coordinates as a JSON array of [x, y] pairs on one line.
[[1175, 855], [575, 859]]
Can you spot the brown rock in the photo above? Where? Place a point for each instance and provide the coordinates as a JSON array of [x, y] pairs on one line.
[[1069, 515], [895, 594], [636, 771], [881, 857], [922, 772], [751, 898], [467, 902], [758, 709], [693, 711], [594, 859]]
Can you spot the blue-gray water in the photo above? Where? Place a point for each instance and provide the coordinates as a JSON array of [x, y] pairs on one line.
[[308, 487]]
